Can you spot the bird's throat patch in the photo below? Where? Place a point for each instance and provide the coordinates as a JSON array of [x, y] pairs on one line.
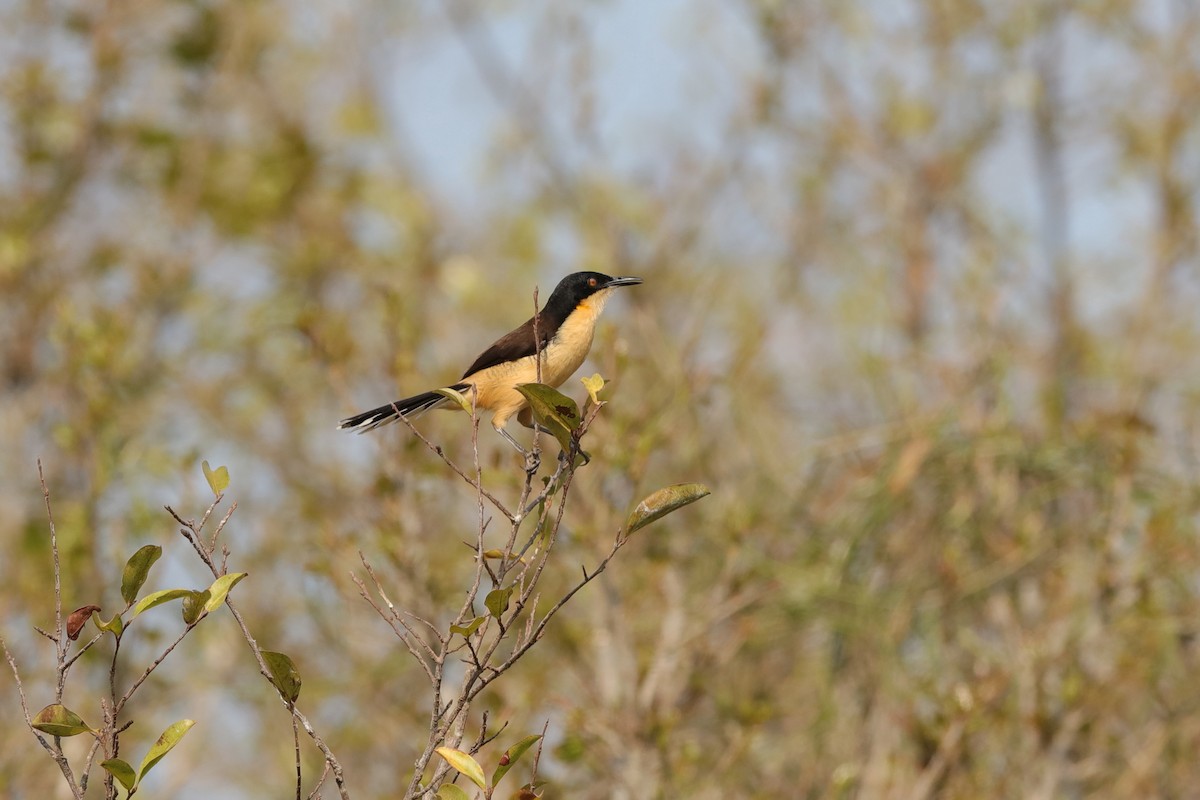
[[594, 304]]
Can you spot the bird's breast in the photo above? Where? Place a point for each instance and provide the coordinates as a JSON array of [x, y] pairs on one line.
[[570, 344]]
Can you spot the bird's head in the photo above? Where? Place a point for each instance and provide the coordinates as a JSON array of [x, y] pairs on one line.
[[579, 288]]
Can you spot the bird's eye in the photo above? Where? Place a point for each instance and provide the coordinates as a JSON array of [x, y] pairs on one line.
[[592, 282]]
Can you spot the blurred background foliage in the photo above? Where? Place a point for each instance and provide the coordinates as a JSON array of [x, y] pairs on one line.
[[920, 297]]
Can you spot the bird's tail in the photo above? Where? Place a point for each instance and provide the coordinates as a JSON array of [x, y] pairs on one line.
[[409, 408]]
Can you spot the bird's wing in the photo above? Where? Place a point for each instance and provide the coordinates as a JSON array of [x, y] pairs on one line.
[[515, 345]]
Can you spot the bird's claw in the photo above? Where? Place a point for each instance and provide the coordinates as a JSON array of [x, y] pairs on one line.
[[567, 458]]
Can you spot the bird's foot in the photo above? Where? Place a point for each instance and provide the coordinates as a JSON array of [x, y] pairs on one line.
[[566, 458]]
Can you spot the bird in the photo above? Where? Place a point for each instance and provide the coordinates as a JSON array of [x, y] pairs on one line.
[[561, 333]]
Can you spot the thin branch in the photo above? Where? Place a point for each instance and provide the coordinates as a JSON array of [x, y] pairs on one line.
[[458, 470], [521, 648], [120, 704], [87, 646], [296, 744], [191, 532], [316, 792], [393, 621], [60, 641], [537, 757], [265, 671], [212, 543], [54, 750]]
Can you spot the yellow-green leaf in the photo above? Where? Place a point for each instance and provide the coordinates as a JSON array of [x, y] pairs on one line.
[[553, 410], [465, 764], [220, 587], [663, 502], [115, 626], [137, 569], [593, 384], [58, 720], [158, 598], [511, 755], [122, 771], [218, 479], [457, 397], [452, 792], [167, 740], [497, 601], [469, 628], [193, 606], [284, 674]]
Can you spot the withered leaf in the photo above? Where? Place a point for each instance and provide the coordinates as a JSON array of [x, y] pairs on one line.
[[78, 619]]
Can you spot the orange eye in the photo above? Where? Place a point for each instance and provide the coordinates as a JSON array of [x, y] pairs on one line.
[[591, 282]]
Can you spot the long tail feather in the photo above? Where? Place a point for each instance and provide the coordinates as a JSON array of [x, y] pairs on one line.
[[409, 408]]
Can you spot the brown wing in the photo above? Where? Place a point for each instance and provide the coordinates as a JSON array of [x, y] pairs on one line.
[[514, 345]]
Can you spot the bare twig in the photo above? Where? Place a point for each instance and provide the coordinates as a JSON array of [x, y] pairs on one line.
[[191, 532], [417, 646], [53, 749], [537, 757], [316, 792], [296, 745], [120, 704], [458, 470], [60, 641], [212, 543]]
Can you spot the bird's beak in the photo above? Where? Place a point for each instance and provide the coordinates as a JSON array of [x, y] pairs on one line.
[[622, 282]]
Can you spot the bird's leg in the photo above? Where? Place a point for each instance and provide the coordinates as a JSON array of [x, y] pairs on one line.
[[532, 459]]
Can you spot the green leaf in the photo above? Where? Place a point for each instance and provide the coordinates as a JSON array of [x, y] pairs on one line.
[[465, 764], [137, 568], [457, 397], [663, 502], [468, 629], [553, 410], [193, 606], [593, 385], [511, 755], [284, 674], [158, 598], [169, 738], [452, 792], [58, 720], [497, 601], [218, 479], [122, 771], [220, 587], [115, 626]]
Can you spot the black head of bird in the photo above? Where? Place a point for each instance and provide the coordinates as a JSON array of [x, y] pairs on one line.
[[579, 287]]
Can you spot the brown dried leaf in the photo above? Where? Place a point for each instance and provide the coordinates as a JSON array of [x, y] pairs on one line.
[[78, 619]]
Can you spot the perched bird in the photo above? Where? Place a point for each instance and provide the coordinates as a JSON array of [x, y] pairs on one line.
[[564, 326]]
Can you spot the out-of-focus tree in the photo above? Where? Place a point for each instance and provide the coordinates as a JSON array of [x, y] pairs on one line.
[[918, 308]]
